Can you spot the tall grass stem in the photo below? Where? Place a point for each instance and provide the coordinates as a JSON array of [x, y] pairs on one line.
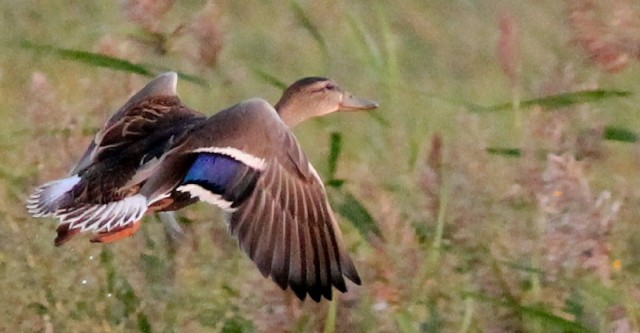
[[330, 322]]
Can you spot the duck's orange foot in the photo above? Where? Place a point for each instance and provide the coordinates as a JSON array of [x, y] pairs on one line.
[[117, 234]]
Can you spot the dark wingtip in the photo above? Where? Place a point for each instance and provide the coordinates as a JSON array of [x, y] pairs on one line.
[[315, 293], [354, 277], [327, 293], [281, 282], [300, 291], [338, 282], [349, 270], [264, 269]]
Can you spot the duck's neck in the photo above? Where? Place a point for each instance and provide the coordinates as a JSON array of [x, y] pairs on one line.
[[290, 113]]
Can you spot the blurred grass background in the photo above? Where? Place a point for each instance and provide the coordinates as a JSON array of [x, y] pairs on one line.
[[516, 219]]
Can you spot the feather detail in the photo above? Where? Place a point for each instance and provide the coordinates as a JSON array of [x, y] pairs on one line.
[[156, 154], [221, 179], [47, 198], [289, 230], [103, 218], [153, 117], [203, 194]]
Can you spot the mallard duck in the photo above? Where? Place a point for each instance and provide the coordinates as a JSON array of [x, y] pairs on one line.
[[244, 159]]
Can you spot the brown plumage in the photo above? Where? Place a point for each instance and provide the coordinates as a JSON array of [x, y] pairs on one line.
[[244, 159]]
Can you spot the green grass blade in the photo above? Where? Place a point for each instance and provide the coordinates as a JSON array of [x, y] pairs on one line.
[[89, 58], [309, 26], [334, 153], [574, 305], [536, 312], [104, 61], [620, 134], [39, 308], [510, 152], [144, 325], [335, 183], [349, 207], [330, 322], [436, 245], [611, 133], [237, 324], [468, 315], [270, 79], [366, 42], [557, 101]]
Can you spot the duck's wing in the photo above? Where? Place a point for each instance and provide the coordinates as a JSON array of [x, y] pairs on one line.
[[288, 228], [102, 192], [153, 108], [248, 162]]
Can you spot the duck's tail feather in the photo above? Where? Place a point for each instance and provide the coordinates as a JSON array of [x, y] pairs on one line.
[[56, 199], [47, 198]]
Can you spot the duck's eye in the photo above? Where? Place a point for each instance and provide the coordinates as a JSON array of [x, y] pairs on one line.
[[330, 86]]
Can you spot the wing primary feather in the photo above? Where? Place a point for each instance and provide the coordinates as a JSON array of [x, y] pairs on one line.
[[320, 245], [313, 287], [336, 271], [255, 230], [282, 253], [275, 252], [346, 264], [238, 218], [324, 271], [297, 254], [311, 245], [264, 249], [296, 257], [297, 262], [243, 224], [280, 262]]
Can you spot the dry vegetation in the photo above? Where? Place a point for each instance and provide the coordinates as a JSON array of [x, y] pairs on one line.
[[543, 241]]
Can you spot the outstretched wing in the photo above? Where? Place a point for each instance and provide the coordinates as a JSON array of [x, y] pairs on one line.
[[153, 108], [289, 230]]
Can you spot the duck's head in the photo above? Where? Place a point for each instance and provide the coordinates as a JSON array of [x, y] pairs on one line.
[[316, 96]]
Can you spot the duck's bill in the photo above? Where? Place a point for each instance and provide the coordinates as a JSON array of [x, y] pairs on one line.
[[352, 103]]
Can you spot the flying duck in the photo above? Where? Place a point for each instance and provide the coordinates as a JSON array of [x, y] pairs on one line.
[[155, 154]]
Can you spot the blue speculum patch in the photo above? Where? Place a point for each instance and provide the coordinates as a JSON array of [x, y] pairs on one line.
[[215, 170]]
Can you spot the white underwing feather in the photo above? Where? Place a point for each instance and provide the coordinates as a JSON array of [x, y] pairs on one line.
[[107, 217], [205, 195], [45, 199]]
